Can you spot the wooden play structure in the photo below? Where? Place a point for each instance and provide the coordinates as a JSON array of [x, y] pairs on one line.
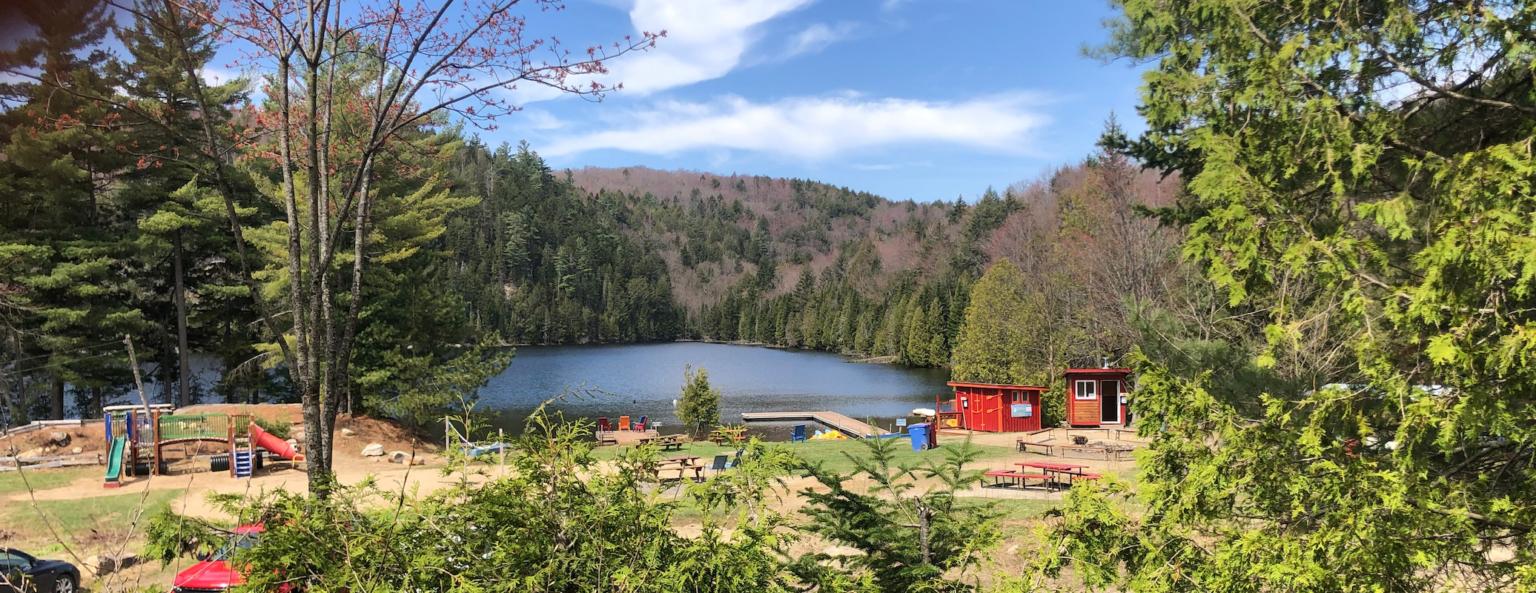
[[139, 439]]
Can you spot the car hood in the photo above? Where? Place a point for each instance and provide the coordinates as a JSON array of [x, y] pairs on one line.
[[209, 574]]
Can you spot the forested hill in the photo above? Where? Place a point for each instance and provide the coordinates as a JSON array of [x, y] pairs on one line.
[[637, 254]]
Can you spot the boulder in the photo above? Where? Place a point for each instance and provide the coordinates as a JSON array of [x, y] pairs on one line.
[[76, 450], [58, 439], [399, 457], [346, 432], [373, 450]]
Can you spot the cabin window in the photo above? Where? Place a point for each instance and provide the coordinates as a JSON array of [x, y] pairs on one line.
[[1087, 390], [1018, 397]]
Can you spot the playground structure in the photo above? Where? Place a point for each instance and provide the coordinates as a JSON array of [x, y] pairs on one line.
[[138, 441]]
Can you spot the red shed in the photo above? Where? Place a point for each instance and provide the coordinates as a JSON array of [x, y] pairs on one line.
[[992, 408], [1096, 397]]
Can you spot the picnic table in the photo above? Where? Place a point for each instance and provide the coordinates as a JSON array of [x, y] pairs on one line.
[[1070, 471], [669, 442], [720, 435], [682, 464]]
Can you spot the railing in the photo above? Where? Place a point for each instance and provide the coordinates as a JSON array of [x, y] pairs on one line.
[[194, 426]]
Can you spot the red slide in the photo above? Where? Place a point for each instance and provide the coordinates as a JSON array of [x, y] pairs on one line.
[[278, 446]]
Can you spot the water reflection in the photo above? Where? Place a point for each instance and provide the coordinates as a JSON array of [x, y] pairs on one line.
[[644, 380]]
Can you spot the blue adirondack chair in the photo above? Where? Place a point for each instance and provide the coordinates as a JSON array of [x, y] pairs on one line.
[[799, 435]]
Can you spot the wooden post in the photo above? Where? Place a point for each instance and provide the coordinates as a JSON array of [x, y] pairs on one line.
[[154, 462]]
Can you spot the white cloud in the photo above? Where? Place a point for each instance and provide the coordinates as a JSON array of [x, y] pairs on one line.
[[705, 39], [817, 37], [217, 76], [816, 127]]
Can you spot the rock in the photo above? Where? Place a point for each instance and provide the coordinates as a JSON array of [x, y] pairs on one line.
[[58, 439], [346, 432], [399, 456], [76, 450], [373, 450], [32, 453], [842, 551], [418, 461], [105, 565]]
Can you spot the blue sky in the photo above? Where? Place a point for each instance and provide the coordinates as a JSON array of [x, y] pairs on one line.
[[908, 99], [920, 99]]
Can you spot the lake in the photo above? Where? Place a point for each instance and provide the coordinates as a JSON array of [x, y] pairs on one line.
[[644, 379]]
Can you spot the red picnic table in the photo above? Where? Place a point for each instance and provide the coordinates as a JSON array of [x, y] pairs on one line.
[[1071, 471]]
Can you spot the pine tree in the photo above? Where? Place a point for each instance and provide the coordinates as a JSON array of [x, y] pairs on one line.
[[62, 154]]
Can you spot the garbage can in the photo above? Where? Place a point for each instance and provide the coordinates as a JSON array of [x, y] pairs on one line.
[[919, 435]]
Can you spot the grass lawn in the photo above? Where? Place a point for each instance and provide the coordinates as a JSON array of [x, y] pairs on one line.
[[44, 479], [833, 454], [79, 518]]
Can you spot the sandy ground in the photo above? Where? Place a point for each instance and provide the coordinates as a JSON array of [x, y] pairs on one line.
[[194, 485]]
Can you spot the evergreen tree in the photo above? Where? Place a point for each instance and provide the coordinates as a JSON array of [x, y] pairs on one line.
[[700, 403]]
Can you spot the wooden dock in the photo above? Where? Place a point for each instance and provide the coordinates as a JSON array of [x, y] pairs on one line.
[[831, 419]]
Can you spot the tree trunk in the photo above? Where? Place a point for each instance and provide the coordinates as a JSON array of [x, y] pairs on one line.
[[56, 400], [181, 325], [167, 362], [95, 402]]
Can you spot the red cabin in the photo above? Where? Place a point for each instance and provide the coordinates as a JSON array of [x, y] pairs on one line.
[[1096, 397], [991, 408]]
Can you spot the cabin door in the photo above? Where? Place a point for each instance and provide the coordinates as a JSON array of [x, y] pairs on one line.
[[1109, 402]]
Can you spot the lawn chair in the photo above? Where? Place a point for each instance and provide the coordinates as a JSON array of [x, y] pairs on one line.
[[603, 424], [721, 463], [623, 422], [799, 436], [640, 426], [737, 460]]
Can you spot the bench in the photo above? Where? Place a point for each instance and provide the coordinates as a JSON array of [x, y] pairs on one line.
[[1096, 451], [1025, 445], [1075, 477], [1015, 477]]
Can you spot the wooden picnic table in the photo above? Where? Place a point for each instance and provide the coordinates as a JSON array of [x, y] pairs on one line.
[[680, 464], [1070, 468], [1070, 471], [720, 435], [670, 442]]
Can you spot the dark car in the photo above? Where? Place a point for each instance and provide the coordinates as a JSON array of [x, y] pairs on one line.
[[21, 572]]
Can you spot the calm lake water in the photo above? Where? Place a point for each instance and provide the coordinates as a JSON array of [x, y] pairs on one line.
[[644, 379]]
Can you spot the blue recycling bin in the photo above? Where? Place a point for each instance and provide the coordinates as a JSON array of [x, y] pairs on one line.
[[919, 435]]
